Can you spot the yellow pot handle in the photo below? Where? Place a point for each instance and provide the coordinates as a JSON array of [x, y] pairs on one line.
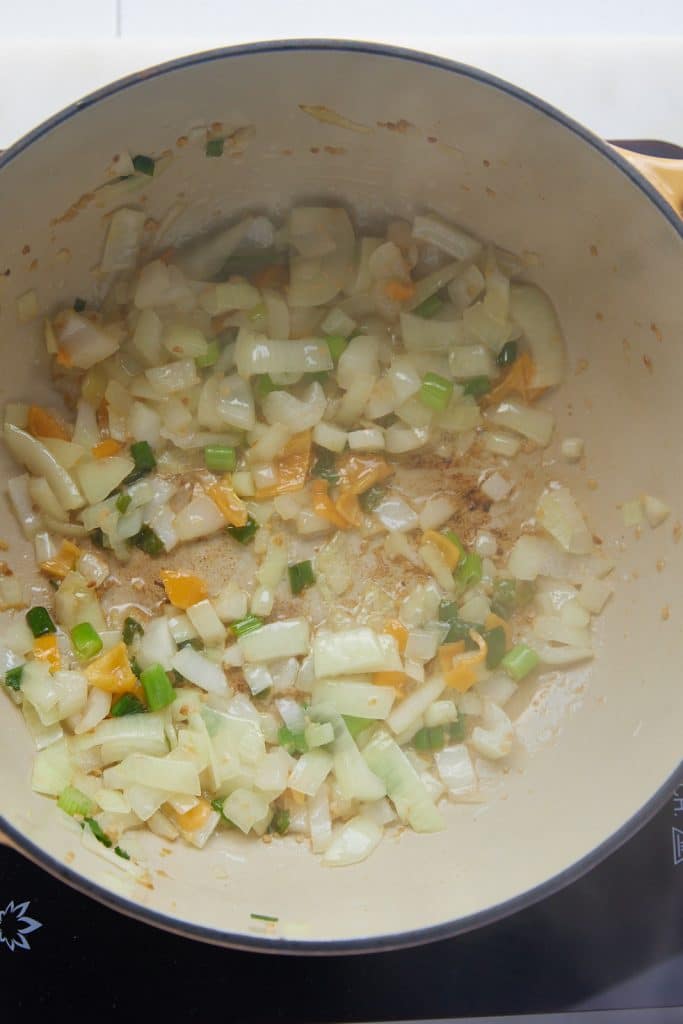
[[665, 174]]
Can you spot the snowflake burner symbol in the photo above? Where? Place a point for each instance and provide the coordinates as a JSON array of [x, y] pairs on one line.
[[15, 925]]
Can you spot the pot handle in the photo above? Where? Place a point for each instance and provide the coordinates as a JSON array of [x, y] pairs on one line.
[[5, 841], [664, 173]]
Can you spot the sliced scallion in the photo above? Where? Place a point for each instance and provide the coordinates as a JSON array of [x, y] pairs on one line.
[[508, 354], [39, 621], [13, 678], [336, 344], [429, 308], [98, 832], [127, 704], [148, 541], [220, 458], [157, 687], [131, 629], [86, 640], [144, 460], [301, 575], [123, 503], [210, 356], [214, 147], [243, 534], [72, 801], [246, 625], [520, 661], [470, 570], [144, 164], [435, 391], [477, 386]]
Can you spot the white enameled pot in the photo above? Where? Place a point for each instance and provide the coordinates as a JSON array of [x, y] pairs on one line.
[[388, 132]]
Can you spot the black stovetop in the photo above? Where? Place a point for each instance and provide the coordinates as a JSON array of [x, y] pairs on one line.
[[613, 939]]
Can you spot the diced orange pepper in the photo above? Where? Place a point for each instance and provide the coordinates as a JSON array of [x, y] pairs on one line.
[[274, 276], [102, 415], [63, 562], [399, 632], [233, 508], [112, 671], [182, 588], [451, 552], [357, 473], [323, 505], [449, 651], [193, 819], [516, 381], [492, 621], [106, 448], [463, 672], [399, 291], [42, 423], [348, 507], [63, 359], [291, 468], [45, 648], [396, 679]]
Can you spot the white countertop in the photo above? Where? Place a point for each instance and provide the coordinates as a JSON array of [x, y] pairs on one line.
[[627, 86]]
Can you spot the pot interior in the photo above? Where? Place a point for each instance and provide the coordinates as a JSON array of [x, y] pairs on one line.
[[386, 133]]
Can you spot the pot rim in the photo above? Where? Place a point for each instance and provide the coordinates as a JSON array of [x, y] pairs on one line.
[[429, 933]]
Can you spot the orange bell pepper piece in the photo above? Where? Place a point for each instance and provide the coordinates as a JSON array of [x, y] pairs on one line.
[[63, 562], [45, 648], [193, 819], [112, 671], [399, 291], [395, 678], [399, 632], [449, 651], [274, 276], [323, 505], [106, 448], [463, 671], [348, 507], [233, 508], [516, 381], [451, 552], [291, 468], [182, 588], [357, 473], [42, 423]]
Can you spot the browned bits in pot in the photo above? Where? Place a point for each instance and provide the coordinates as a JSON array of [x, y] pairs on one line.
[[593, 250], [665, 613], [656, 331], [660, 564], [647, 363]]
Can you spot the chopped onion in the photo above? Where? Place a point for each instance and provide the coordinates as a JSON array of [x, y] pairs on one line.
[[199, 670], [328, 436], [18, 489], [353, 843], [415, 705], [41, 462], [255, 354], [494, 738], [558, 513], [83, 343], [284, 639], [533, 312], [296, 414], [360, 699], [172, 377], [99, 478], [594, 595], [456, 770], [123, 240], [496, 487], [452, 240], [353, 651], [656, 511], [536, 424], [200, 518]]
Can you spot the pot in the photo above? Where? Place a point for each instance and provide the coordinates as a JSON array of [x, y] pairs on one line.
[[391, 131]]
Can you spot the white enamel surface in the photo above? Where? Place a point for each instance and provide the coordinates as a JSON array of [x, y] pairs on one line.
[[599, 741]]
